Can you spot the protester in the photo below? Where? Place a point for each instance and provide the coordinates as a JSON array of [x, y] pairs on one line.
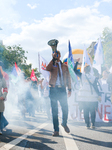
[[29, 98], [34, 92], [21, 85], [3, 94], [59, 80], [45, 88], [104, 77], [41, 107], [109, 81], [87, 95]]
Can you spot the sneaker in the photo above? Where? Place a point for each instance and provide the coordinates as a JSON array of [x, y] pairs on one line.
[[0, 132], [93, 127], [55, 133], [88, 126], [66, 128], [5, 129]]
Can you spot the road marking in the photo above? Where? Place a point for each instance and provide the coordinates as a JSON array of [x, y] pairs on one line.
[[69, 141], [11, 144]]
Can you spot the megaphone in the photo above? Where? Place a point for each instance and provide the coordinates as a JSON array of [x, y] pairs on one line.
[[53, 43]]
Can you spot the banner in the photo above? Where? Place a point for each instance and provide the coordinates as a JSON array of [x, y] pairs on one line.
[[70, 62], [33, 77], [86, 60], [104, 113], [15, 73], [42, 67], [99, 56], [71, 71], [70, 56]]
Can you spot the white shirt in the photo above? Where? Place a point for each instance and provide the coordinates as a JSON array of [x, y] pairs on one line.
[[58, 78]]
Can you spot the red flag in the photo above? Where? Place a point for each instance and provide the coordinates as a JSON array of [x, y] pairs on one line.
[[18, 70], [33, 77]]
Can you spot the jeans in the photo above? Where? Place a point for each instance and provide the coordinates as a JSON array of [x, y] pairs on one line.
[[3, 121], [90, 107], [59, 94]]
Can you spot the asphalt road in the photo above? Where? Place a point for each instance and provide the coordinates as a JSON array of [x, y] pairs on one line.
[[35, 133]]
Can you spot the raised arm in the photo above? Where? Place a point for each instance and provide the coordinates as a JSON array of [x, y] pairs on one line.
[[75, 69], [52, 62]]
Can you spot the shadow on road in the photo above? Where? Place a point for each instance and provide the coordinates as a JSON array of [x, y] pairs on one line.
[[38, 141], [91, 141]]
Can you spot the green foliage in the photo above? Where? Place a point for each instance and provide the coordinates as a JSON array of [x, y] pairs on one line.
[[107, 45], [11, 54], [37, 73]]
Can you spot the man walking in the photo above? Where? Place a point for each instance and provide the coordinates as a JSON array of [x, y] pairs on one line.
[[58, 82]]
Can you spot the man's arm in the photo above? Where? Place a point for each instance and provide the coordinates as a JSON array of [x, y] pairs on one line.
[[52, 62], [75, 69], [49, 66]]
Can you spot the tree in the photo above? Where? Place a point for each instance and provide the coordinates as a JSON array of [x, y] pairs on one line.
[[107, 45], [11, 54]]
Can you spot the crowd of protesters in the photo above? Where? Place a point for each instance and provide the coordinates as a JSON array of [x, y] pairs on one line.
[[33, 96], [29, 96]]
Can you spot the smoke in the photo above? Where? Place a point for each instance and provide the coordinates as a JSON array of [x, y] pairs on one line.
[[24, 100]]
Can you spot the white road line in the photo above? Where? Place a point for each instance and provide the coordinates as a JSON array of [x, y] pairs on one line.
[[11, 144], [69, 141]]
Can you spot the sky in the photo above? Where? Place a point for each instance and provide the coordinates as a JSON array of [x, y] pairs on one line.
[[32, 23]]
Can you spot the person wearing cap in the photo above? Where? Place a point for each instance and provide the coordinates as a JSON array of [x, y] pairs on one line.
[[88, 96], [3, 94], [58, 82]]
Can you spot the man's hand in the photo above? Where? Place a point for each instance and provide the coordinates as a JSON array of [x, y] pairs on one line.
[[69, 93], [1, 98], [78, 60], [54, 55]]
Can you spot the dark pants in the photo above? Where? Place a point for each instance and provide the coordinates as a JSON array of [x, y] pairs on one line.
[[90, 107], [3, 121], [58, 94]]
